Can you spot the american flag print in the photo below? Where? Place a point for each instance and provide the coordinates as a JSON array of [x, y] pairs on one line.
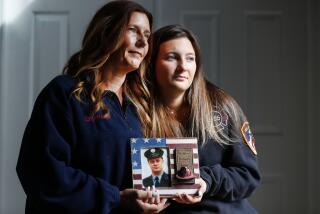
[[139, 144]]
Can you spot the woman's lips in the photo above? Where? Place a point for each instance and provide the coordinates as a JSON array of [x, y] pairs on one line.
[[180, 78], [136, 53]]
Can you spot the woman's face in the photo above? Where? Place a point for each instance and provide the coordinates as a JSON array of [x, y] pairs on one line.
[[175, 65], [135, 44]]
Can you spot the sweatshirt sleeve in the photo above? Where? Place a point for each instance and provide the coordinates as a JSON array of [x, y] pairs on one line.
[[44, 163], [235, 179], [235, 175]]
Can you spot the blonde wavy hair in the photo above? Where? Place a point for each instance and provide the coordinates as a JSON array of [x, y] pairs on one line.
[[103, 37], [201, 99]]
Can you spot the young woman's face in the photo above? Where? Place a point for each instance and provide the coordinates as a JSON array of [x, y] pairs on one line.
[[135, 44], [175, 65]]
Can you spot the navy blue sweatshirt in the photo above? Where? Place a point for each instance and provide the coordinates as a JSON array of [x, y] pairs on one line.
[[231, 173], [72, 162]]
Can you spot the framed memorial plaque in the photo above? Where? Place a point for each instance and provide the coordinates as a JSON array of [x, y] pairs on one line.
[[169, 164]]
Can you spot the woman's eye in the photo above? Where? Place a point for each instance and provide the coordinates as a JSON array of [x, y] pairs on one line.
[[170, 57], [133, 29], [190, 59], [147, 36]]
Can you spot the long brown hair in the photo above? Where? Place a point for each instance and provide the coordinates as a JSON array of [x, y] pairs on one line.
[[102, 38], [202, 99]]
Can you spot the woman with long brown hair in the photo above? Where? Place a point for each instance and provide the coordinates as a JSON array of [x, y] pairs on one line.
[[75, 155], [184, 104]]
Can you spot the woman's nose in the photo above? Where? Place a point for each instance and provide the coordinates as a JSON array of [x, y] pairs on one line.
[[141, 41], [182, 65]]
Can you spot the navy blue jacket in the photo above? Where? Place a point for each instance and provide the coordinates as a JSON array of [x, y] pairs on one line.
[[71, 162], [231, 173]]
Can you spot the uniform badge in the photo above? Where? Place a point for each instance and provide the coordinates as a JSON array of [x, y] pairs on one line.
[[248, 137], [220, 118]]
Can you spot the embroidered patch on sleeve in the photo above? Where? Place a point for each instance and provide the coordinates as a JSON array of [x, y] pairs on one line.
[[248, 137]]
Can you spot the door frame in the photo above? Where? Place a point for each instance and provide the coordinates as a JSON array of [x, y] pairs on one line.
[[1, 103], [313, 105]]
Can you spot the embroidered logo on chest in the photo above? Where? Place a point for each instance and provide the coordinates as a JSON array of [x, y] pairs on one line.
[[220, 119], [97, 117]]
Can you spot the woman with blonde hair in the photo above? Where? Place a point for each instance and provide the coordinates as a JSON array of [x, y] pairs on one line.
[[184, 104], [75, 155]]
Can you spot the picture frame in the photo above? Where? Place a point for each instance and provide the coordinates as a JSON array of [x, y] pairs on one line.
[[169, 164]]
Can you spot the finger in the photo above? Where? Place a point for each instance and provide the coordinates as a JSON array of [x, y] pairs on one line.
[[180, 199], [146, 195], [151, 200], [163, 200], [163, 206], [155, 195], [147, 207], [157, 199], [143, 205], [179, 196], [149, 193], [187, 198], [141, 194], [191, 199], [140, 202], [203, 188], [199, 194], [151, 208], [166, 205]]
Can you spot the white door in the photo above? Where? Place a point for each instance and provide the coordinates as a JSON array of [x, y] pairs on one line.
[[257, 51]]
